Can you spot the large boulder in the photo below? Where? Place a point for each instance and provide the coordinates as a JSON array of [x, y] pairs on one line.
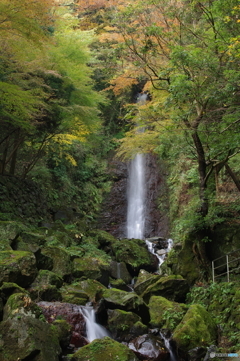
[[127, 301], [144, 280], [164, 313], [9, 231], [29, 241], [46, 286], [134, 253], [74, 294], [18, 267], [104, 349], [92, 288], [197, 328], [28, 338], [19, 304], [55, 259], [119, 270], [173, 287], [124, 326], [91, 267]]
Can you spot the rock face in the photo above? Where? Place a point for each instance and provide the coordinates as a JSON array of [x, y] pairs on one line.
[[114, 210], [149, 348]]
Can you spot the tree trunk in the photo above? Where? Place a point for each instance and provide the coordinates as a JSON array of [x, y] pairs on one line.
[[233, 176], [202, 171]]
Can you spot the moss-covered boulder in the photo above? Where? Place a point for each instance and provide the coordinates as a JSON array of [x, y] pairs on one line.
[[164, 313], [46, 286], [144, 280], [119, 284], [134, 253], [27, 338], [104, 349], [18, 267], [124, 326], [29, 241], [21, 304], [8, 288], [119, 270], [128, 301], [74, 294], [172, 287], [92, 288], [55, 259], [197, 328], [9, 232], [91, 267]]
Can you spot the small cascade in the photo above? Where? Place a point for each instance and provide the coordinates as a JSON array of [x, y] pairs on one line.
[[93, 329], [158, 250], [173, 356]]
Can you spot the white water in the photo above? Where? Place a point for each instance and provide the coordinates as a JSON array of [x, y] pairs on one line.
[[136, 198], [173, 357], [93, 329], [161, 257]]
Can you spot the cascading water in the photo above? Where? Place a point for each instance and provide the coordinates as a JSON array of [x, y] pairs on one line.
[[93, 329], [136, 198], [136, 192], [162, 253]]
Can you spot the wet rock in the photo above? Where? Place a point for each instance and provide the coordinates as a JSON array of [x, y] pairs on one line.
[[149, 348], [124, 326], [197, 353], [174, 288], [128, 301], [18, 267], [196, 329], [104, 349], [72, 314], [27, 338]]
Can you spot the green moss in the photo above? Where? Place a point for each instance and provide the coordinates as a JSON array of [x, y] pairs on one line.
[[92, 288], [197, 328], [165, 313], [104, 350]]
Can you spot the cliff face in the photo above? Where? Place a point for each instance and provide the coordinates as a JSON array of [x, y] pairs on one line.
[[114, 210]]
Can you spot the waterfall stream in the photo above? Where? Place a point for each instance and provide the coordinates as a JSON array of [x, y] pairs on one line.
[[93, 329]]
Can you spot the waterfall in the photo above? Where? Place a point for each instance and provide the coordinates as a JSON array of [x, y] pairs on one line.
[[93, 329], [136, 198], [136, 191]]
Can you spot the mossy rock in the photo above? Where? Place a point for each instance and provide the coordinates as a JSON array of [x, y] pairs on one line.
[[103, 237], [185, 263], [46, 277], [197, 328], [74, 294], [124, 326], [104, 349], [28, 338], [172, 287], [119, 284], [92, 288], [133, 252], [10, 230], [21, 304], [119, 270], [144, 280], [64, 332], [18, 267], [9, 288], [29, 241], [56, 257], [128, 301], [91, 267], [164, 313]]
